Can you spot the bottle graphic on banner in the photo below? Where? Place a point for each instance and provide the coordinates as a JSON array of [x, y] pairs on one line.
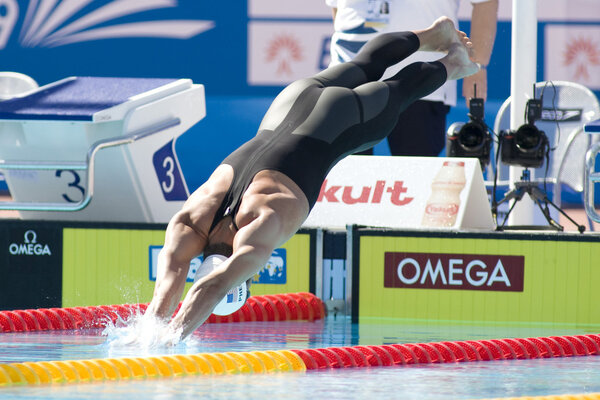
[[443, 204]]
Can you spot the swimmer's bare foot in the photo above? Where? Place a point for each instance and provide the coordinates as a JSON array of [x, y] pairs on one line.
[[457, 62], [441, 35]]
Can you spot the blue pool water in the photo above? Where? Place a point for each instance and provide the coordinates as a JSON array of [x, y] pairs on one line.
[[474, 380]]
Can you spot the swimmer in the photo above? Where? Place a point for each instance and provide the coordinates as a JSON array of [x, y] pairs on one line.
[[262, 192]]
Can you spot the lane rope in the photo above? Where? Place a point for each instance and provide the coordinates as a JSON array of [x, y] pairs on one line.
[[278, 307], [267, 361], [169, 366], [446, 352], [587, 396]]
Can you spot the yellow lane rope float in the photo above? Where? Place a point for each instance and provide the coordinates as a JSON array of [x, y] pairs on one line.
[[127, 368]]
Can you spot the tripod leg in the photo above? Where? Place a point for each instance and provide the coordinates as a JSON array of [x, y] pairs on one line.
[[541, 199], [580, 228], [516, 194], [546, 213], [499, 228]]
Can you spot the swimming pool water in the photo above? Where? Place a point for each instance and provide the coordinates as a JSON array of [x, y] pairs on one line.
[[472, 380]]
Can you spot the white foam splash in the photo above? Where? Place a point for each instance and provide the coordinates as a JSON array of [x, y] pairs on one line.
[[141, 331]]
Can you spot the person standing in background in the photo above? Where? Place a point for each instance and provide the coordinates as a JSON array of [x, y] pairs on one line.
[[421, 129]]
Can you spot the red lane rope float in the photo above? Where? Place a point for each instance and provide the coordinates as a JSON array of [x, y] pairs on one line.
[[277, 307], [444, 352]]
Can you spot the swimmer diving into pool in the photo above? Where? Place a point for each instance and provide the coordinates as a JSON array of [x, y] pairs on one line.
[[262, 192]]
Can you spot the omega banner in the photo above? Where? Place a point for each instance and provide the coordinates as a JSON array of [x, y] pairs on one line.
[[30, 266], [524, 278], [403, 192], [454, 271]]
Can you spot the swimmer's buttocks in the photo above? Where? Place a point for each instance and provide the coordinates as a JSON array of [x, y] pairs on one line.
[[315, 122]]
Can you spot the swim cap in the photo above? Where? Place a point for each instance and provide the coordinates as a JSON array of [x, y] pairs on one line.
[[235, 297]]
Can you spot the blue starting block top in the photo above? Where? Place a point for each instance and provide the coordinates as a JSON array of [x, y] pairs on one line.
[[593, 127], [77, 98]]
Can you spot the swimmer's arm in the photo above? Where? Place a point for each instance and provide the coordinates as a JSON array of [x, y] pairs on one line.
[[252, 247], [182, 244]]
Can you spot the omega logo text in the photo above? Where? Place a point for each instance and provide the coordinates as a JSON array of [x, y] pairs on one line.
[[454, 271], [29, 247]]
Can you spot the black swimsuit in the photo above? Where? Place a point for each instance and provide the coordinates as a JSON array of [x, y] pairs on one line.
[[315, 122]]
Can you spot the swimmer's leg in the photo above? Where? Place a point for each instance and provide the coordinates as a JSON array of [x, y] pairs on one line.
[[395, 94], [415, 81], [381, 102], [420, 79], [389, 49], [372, 60], [370, 64]]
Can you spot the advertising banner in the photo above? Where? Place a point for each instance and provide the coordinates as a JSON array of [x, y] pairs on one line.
[[274, 271], [287, 8], [454, 271], [547, 10], [478, 277], [282, 52], [51, 40], [118, 265], [572, 53], [403, 192], [567, 10], [30, 266]]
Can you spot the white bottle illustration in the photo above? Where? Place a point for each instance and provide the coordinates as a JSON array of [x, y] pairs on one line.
[[443, 204]]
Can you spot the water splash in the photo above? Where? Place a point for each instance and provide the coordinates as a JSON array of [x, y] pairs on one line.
[[141, 331]]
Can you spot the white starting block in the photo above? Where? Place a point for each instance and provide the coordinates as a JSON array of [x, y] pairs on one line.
[[50, 142]]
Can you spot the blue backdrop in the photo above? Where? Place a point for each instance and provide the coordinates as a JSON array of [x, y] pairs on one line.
[[216, 57]]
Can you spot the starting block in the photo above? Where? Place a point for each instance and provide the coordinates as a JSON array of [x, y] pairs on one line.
[[98, 149]]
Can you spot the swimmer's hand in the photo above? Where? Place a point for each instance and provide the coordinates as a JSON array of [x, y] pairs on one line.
[[143, 331]]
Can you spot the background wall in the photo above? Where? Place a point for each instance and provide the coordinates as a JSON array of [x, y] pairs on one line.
[[245, 52]]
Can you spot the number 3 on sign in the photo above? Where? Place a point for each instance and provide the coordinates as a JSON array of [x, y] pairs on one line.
[[168, 173], [73, 184], [169, 165]]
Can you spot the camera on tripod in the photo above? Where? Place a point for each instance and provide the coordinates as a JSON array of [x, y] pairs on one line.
[[527, 146], [471, 139]]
